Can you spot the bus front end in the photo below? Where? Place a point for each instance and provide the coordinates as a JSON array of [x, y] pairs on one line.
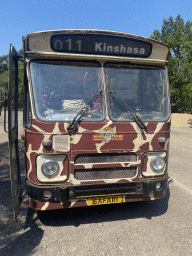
[[97, 127]]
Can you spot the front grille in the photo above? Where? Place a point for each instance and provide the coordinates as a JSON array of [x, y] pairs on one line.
[[105, 173], [106, 189], [105, 158]]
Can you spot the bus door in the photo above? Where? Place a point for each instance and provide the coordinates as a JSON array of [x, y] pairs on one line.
[[13, 130]]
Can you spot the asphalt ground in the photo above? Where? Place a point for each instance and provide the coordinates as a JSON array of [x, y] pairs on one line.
[[162, 227]]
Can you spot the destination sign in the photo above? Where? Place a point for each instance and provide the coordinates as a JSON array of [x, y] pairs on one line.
[[100, 45]]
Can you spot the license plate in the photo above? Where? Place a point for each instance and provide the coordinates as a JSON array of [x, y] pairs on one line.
[[105, 200]]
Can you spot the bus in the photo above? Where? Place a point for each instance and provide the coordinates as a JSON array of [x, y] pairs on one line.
[[96, 119]]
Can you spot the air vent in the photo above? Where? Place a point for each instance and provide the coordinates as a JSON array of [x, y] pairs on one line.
[[105, 158], [106, 173], [106, 189]]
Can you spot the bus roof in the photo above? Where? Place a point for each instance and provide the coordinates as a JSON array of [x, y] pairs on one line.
[[97, 44]]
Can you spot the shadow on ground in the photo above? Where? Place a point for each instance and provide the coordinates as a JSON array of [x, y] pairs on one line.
[[17, 237], [105, 213], [26, 242], [22, 236]]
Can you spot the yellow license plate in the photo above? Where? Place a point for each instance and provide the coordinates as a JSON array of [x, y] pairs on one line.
[[105, 200]]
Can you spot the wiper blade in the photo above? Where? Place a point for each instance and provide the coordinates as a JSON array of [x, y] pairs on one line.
[[77, 118], [120, 103]]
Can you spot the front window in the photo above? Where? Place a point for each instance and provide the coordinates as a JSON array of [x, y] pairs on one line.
[[143, 88], [62, 88]]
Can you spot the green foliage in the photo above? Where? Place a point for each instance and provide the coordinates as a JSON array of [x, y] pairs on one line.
[[4, 77], [179, 37], [4, 74]]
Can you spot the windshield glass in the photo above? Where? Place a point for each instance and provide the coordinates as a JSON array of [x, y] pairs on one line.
[[62, 88], [142, 88]]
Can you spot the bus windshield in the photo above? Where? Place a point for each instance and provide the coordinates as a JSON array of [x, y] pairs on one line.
[[142, 89], [62, 88]]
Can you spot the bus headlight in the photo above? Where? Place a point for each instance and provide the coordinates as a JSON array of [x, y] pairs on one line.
[[157, 163], [50, 168]]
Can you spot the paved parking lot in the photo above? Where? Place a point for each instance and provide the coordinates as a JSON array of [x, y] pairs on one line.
[[162, 227]]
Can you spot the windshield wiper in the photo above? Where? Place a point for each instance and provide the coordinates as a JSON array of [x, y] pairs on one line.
[[77, 118], [120, 103]]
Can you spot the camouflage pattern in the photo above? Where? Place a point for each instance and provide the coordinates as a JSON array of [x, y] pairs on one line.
[[91, 137], [82, 142]]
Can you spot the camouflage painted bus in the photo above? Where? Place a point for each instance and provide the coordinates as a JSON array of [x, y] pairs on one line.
[[96, 119]]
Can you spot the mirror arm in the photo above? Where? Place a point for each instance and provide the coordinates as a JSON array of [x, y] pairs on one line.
[[5, 110]]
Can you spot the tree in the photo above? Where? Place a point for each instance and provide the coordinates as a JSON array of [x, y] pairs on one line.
[[179, 37], [4, 77], [4, 72]]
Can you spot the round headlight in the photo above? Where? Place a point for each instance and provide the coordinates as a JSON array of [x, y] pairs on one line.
[[50, 168], [157, 163]]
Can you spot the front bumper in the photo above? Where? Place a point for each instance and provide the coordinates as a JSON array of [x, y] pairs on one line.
[[62, 193]]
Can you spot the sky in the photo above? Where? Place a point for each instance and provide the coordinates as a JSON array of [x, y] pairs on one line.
[[140, 17]]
